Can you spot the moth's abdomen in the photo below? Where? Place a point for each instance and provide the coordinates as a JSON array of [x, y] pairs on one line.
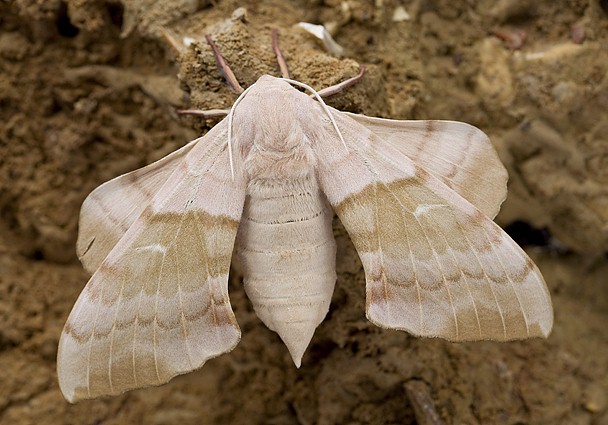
[[288, 254]]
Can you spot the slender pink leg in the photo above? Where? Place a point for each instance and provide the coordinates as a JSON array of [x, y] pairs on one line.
[[337, 88], [211, 113], [277, 51], [230, 79], [224, 68], [234, 84]]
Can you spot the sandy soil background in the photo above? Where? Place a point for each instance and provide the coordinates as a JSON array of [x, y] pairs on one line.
[[89, 89]]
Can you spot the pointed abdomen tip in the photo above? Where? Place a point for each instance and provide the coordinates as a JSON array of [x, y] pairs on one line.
[[297, 362]]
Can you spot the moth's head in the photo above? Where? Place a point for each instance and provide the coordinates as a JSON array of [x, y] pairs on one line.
[[267, 86], [275, 115]]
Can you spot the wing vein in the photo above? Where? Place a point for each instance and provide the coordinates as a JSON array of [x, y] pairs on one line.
[[488, 280], [91, 341], [435, 256], [466, 281], [411, 255], [110, 357], [502, 266], [135, 327], [380, 251], [181, 309], [110, 216]]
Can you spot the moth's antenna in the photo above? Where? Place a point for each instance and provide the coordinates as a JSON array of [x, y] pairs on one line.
[[325, 108], [230, 115]]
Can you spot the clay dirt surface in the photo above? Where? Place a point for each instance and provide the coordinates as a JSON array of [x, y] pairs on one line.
[[89, 90]]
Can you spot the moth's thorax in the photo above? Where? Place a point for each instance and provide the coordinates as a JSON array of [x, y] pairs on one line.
[[275, 127]]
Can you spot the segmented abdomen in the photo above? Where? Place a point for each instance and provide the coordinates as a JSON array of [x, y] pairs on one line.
[[288, 254]]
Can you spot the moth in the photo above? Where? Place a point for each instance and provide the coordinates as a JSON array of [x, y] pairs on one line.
[[416, 197]]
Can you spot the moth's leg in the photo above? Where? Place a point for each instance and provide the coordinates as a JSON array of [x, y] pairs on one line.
[[211, 113], [277, 51], [224, 68], [337, 88], [230, 79]]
